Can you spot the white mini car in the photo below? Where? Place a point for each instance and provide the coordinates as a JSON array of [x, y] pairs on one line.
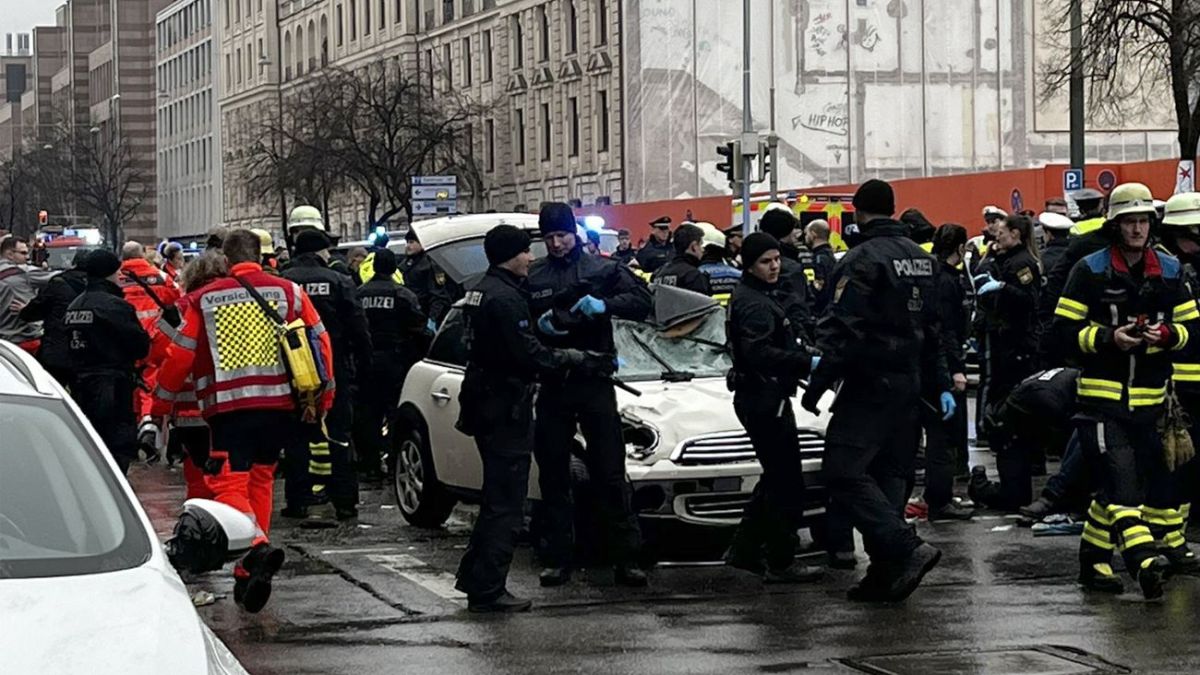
[[84, 585], [688, 458]]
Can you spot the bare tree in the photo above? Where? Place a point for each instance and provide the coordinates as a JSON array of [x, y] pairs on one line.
[[1131, 47], [31, 180], [105, 177]]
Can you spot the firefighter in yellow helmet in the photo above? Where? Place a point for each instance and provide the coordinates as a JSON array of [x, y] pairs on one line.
[[266, 251], [309, 218], [1125, 315], [722, 277]]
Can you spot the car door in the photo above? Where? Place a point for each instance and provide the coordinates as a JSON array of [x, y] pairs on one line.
[[455, 458]]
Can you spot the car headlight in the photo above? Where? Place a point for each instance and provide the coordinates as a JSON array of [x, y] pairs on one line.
[[640, 438]]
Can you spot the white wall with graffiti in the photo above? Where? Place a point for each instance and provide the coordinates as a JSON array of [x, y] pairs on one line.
[[889, 88]]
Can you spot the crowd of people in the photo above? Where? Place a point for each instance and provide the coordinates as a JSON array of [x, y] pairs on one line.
[[252, 353]]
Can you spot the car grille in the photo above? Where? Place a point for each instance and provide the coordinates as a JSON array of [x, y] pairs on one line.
[[728, 506], [736, 447]]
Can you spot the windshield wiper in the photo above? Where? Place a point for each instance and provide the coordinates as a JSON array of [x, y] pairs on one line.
[[670, 374], [706, 343]]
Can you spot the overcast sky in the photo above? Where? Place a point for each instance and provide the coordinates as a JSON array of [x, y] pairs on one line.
[[20, 16]]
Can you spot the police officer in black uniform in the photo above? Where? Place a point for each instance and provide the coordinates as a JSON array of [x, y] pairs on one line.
[[767, 367], [657, 251], [782, 224], [399, 339], [625, 252], [881, 339], [816, 235], [1007, 298], [573, 298], [328, 459], [504, 357], [436, 291], [49, 307], [684, 270], [105, 341]]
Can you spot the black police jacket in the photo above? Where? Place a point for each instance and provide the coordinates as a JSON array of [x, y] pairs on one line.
[[623, 257], [394, 318], [1103, 294], [766, 356], [954, 310], [823, 262], [654, 255], [332, 294], [556, 284], [1056, 273], [436, 291], [793, 291], [49, 307], [1186, 368], [1044, 398], [683, 272], [1010, 313], [882, 330], [103, 331]]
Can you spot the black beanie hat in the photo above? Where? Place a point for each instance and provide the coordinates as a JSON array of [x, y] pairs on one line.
[[384, 263], [311, 241], [875, 196], [101, 263], [504, 242], [556, 217], [411, 235], [778, 223], [756, 245]]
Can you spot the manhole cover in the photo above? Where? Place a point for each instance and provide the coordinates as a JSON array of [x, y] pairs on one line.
[[1040, 660]]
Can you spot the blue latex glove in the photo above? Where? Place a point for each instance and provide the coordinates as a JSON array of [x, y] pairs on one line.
[[431, 326], [980, 279], [990, 286], [816, 361], [619, 363], [949, 405], [546, 326], [590, 306]]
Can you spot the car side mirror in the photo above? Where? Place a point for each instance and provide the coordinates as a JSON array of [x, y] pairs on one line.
[[207, 535]]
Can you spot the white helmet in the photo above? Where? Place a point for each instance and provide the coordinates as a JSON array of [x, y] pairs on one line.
[[305, 216], [712, 236]]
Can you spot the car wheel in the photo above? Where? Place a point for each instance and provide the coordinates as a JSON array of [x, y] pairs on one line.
[[422, 500]]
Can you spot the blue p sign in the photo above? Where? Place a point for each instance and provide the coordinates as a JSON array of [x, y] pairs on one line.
[[1072, 180]]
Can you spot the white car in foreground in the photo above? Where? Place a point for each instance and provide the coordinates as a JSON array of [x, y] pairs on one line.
[[84, 585], [689, 461]]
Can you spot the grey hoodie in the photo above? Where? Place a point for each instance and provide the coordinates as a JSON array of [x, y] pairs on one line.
[[20, 284]]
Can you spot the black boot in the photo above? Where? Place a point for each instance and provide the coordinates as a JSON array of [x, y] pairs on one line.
[[797, 573], [873, 586], [252, 585], [1099, 577], [1183, 561], [1152, 575], [742, 560], [631, 576], [908, 573], [554, 576], [1040, 508], [504, 603]]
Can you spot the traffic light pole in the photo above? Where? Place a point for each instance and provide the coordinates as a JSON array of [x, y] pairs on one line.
[[1076, 85], [747, 121]]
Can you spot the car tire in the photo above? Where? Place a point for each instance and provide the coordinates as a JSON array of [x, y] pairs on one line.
[[420, 497]]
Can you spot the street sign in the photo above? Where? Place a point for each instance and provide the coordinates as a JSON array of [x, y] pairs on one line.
[[1107, 180], [1072, 180], [1185, 180], [434, 195]]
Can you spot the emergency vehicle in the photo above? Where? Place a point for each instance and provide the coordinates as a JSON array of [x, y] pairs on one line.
[[835, 208]]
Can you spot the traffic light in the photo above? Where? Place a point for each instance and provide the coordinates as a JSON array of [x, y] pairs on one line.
[[43, 217], [764, 154], [732, 167]]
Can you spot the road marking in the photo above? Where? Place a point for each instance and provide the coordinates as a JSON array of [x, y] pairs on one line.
[[344, 551], [420, 573]]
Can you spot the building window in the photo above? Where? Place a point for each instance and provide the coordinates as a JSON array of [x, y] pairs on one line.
[[353, 20], [366, 17], [486, 54], [572, 27], [227, 13], [518, 44], [447, 11], [382, 14], [429, 67], [602, 122], [601, 22], [573, 119], [519, 135], [341, 28], [545, 125], [399, 10], [448, 64], [466, 59], [489, 129], [544, 21]]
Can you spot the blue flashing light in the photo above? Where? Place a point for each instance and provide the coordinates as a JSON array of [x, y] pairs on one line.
[[593, 222], [193, 246]]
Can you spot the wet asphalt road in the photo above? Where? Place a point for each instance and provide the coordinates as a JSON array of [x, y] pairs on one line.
[[377, 597]]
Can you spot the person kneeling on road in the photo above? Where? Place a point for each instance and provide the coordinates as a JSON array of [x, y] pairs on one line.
[[496, 399], [767, 367]]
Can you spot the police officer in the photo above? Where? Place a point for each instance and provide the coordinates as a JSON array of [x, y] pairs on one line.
[[1124, 311], [816, 235], [1007, 299], [768, 365], [779, 222], [399, 340], [327, 461], [1056, 228], [574, 298], [1091, 211], [105, 341], [722, 276], [684, 269], [625, 252], [366, 270], [733, 245], [49, 307], [504, 357], [436, 291], [658, 251], [880, 338]]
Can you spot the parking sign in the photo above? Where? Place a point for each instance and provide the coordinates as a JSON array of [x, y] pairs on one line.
[[1072, 180]]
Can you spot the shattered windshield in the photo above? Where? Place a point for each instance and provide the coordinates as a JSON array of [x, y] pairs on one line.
[[646, 354]]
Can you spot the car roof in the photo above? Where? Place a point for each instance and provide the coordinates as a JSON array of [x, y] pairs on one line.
[[21, 374], [439, 231]]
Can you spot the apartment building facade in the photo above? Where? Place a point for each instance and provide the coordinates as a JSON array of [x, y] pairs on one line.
[[189, 157]]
